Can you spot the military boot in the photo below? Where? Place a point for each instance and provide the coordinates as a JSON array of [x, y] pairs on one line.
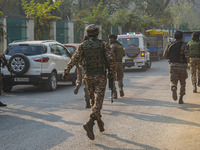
[[121, 92], [77, 88], [194, 88], [87, 104], [174, 93], [115, 94], [101, 125], [2, 104], [89, 129], [181, 100]]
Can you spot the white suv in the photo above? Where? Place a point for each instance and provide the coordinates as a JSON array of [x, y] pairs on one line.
[[135, 46], [39, 63]]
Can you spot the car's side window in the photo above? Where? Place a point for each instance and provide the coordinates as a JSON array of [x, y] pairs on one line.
[[55, 50], [63, 51]]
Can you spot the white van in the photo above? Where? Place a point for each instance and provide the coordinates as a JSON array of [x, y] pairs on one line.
[[135, 47]]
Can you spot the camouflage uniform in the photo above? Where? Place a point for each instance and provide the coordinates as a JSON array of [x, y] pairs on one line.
[[177, 67], [193, 52], [118, 50], [79, 82], [96, 79]]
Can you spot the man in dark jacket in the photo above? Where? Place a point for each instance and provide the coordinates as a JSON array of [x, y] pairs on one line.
[[176, 53]]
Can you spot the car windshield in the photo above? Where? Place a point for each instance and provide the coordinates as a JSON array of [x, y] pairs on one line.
[[26, 50], [128, 41]]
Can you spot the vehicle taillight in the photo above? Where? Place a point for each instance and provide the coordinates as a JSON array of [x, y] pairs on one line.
[[142, 53], [43, 59]]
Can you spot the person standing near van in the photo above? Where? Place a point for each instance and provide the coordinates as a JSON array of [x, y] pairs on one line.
[[176, 53], [193, 48], [118, 50]]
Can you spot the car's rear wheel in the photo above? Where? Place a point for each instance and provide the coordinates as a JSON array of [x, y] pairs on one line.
[[51, 84], [148, 64], [132, 50]]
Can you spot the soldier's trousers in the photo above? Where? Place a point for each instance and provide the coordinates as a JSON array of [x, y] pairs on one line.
[[96, 86], [80, 80], [194, 69], [119, 74], [178, 74]]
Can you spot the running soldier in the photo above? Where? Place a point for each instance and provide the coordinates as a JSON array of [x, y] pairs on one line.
[[193, 49], [118, 50], [175, 52], [95, 56]]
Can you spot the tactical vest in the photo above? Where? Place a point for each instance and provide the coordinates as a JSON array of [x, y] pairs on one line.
[[194, 47], [119, 51], [175, 55], [93, 58]]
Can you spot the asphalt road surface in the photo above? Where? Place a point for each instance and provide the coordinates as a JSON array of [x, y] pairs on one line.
[[145, 119]]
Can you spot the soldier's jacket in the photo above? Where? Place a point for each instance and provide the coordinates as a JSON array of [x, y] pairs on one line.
[[183, 52], [118, 50], [78, 55], [193, 48]]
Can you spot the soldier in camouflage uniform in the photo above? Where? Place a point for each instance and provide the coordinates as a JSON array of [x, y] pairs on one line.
[[175, 52], [193, 49], [79, 82], [95, 56], [118, 50]]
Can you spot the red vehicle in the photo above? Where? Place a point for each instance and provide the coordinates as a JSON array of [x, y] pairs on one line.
[[71, 47]]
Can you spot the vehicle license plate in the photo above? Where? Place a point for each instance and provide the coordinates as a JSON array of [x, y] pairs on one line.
[[21, 79], [129, 61]]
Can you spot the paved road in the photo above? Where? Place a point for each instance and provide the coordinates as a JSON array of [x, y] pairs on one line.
[[145, 119]]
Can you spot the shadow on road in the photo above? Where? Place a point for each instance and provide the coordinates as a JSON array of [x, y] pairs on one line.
[[126, 141]]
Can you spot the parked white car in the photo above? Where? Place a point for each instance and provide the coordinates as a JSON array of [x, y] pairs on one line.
[[39, 63], [135, 47]]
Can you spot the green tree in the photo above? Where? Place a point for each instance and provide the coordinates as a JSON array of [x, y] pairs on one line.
[[185, 16], [42, 15]]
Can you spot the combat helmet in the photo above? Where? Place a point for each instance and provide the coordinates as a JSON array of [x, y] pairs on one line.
[[195, 36], [92, 30], [178, 34]]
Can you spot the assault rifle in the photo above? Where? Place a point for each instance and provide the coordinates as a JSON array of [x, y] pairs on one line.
[[111, 88]]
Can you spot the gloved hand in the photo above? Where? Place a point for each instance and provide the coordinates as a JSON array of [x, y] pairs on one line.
[[64, 75]]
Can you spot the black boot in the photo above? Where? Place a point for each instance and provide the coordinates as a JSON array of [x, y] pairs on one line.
[[2, 105], [77, 88], [89, 129], [115, 94], [121, 92], [101, 125], [181, 100], [87, 104], [194, 88], [174, 93]]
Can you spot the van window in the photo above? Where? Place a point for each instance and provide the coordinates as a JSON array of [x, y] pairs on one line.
[[128, 41]]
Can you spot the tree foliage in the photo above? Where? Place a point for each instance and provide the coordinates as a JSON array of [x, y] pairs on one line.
[[42, 15]]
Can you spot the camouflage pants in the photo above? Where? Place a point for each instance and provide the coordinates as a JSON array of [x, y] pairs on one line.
[[178, 74], [194, 68], [96, 86], [80, 80], [119, 74]]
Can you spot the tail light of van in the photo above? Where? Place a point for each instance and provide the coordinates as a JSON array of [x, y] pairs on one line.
[[43, 59], [142, 53]]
